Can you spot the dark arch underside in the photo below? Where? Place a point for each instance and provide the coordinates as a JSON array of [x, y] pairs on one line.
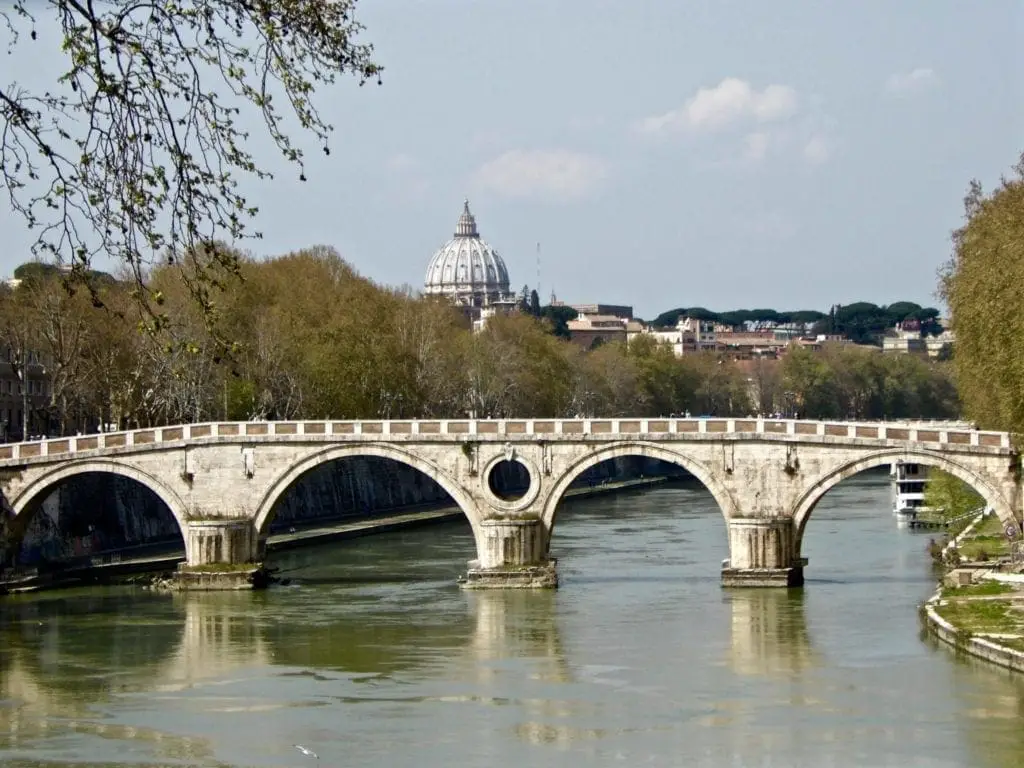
[[92, 515], [807, 505], [354, 487]]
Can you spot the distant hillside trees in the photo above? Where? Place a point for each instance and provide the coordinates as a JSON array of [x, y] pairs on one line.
[[865, 323], [862, 322], [736, 317]]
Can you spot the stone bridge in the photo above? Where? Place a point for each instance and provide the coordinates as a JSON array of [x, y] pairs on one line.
[[221, 481]]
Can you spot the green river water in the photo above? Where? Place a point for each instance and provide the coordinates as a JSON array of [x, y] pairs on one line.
[[372, 656]]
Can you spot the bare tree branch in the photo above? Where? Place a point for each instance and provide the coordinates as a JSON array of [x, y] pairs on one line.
[[138, 151]]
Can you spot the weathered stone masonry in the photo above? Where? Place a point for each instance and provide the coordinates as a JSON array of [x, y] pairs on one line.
[[222, 481]]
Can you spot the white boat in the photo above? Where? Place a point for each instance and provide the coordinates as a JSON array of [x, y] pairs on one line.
[[908, 485]]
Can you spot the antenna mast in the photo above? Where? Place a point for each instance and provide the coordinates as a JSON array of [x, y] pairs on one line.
[[538, 270]]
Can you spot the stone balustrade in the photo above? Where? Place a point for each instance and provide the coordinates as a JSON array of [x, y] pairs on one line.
[[937, 433]]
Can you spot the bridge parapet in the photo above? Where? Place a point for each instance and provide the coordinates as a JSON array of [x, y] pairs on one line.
[[491, 430]]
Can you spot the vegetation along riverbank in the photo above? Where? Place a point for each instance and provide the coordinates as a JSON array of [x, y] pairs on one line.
[[978, 607]]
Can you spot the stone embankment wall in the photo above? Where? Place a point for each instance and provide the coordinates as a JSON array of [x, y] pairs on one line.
[[96, 512], [985, 648]]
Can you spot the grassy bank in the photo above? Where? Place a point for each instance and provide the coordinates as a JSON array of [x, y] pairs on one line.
[[979, 606]]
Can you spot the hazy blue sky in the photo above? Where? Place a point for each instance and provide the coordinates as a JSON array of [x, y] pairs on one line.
[[724, 154]]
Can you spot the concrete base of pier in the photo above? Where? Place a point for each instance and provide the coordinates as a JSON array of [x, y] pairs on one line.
[[198, 579], [763, 577], [533, 576]]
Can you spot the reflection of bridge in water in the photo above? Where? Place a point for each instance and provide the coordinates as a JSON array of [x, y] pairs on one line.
[[769, 634], [507, 643], [179, 641]]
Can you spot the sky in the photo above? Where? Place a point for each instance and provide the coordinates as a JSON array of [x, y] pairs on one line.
[[787, 154]]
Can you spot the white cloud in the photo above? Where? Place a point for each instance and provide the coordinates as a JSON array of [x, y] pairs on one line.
[[730, 102], [551, 174], [817, 150], [908, 82]]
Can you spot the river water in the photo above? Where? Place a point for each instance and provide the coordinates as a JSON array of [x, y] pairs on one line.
[[373, 657]]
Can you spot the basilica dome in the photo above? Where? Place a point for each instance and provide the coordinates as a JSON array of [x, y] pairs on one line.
[[467, 269]]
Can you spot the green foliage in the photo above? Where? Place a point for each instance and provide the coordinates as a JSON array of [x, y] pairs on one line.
[[951, 495], [973, 616], [983, 285], [846, 381], [985, 541], [241, 398]]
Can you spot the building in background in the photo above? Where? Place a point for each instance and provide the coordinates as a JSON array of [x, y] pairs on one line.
[[591, 331], [620, 311], [905, 339], [469, 272]]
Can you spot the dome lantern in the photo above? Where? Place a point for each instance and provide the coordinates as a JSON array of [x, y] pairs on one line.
[[467, 224]]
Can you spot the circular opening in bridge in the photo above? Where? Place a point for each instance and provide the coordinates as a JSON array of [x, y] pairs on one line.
[[509, 480]]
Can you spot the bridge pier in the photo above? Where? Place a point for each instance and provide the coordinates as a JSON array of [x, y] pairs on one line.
[[511, 554], [762, 553], [220, 555]]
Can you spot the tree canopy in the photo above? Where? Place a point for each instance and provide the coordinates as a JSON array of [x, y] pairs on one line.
[[737, 316], [138, 150], [317, 340], [862, 321], [983, 283]]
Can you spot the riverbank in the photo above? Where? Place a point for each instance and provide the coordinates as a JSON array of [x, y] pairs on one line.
[[120, 569], [978, 608]]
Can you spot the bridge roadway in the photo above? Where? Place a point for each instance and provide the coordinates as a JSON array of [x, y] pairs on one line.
[[221, 481]]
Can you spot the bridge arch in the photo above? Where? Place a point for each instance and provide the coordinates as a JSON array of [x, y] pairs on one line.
[[313, 460], [810, 498], [722, 497], [45, 482]]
